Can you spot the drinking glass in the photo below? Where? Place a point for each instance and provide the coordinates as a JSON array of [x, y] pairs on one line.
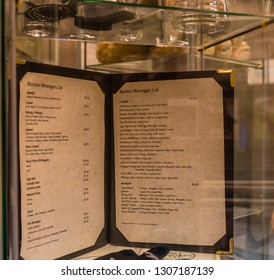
[[41, 17], [198, 16]]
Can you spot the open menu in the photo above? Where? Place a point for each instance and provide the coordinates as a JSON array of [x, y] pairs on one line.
[[137, 159]]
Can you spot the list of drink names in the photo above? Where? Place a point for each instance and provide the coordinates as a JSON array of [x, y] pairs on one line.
[[58, 120], [165, 155]]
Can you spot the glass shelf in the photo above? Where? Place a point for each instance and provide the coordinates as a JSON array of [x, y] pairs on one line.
[[234, 62], [97, 21]]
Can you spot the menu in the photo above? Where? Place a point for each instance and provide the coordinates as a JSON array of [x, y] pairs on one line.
[[124, 159]]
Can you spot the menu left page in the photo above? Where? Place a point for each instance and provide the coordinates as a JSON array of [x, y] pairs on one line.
[[61, 137]]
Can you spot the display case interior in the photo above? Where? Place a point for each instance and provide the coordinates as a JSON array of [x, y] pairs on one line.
[[118, 37], [151, 28]]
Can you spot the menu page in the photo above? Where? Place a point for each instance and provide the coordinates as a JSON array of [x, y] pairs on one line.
[[61, 165], [169, 161]]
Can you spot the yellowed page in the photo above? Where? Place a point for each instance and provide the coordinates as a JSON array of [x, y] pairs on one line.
[[169, 161], [61, 165]]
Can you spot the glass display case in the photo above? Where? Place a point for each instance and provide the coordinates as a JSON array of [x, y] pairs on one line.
[[123, 37]]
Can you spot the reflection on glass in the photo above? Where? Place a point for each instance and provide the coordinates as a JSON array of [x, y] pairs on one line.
[[269, 7], [126, 34], [82, 22], [173, 36]]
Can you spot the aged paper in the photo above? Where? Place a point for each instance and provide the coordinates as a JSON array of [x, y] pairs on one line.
[[61, 165], [169, 161]]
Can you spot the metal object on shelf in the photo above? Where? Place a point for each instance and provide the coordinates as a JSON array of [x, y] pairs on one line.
[[48, 11]]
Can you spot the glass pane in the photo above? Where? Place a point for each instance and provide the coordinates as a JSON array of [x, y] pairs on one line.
[[146, 40]]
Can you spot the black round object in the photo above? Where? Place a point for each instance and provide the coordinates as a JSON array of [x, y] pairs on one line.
[[50, 12]]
